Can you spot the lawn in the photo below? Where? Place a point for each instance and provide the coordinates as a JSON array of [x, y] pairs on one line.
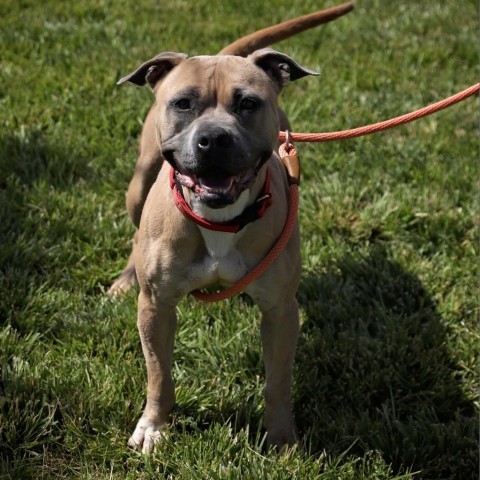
[[386, 376]]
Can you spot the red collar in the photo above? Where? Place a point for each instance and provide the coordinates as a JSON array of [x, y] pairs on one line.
[[250, 214]]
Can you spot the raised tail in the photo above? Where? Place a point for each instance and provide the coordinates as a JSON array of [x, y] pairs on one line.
[[270, 35]]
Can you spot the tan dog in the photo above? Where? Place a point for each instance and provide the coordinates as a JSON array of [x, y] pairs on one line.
[[150, 158], [216, 122]]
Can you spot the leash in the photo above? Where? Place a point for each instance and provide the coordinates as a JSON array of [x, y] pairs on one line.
[[386, 124], [289, 157]]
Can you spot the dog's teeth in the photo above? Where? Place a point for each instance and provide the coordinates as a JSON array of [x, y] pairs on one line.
[[186, 180]]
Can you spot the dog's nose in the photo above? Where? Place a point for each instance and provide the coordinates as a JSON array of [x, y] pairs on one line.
[[214, 140]]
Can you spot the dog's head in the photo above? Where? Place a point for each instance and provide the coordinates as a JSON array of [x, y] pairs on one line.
[[217, 116]]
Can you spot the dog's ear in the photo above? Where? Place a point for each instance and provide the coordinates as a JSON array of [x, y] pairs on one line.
[[154, 69], [279, 67]]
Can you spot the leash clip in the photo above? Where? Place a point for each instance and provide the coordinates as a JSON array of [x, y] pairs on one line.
[[290, 160], [288, 145]]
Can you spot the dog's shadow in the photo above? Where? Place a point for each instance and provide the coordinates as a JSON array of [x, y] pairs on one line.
[[374, 373]]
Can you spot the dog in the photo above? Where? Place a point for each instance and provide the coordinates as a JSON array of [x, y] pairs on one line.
[[210, 141], [150, 157]]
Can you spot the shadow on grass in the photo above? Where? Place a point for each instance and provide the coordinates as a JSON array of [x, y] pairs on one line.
[[373, 371], [29, 157], [33, 169]]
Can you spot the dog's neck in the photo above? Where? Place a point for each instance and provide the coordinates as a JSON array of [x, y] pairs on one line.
[[218, 234]]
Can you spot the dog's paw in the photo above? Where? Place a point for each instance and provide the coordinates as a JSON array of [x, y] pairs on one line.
[[147, 434], [124, 283], [281, 443], [282, 438]]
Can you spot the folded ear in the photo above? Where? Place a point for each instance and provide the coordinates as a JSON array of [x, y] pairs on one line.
[[154, 69], [279, 67]]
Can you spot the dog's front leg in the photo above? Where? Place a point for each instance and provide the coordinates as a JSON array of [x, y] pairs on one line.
[[156, 324], [279, 331]]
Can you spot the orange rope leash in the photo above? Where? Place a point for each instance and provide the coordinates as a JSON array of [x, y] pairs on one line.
[[277, 248], [386, 124]]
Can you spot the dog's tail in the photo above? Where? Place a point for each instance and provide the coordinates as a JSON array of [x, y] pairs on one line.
[[269, 35]]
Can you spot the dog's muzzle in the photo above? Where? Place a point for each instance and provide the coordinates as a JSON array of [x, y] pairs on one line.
[[214, 164]]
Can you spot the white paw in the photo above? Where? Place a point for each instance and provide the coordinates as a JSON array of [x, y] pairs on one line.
[[146, 435]]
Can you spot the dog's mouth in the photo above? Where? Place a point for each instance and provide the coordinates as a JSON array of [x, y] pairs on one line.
[[215, 188], [218, 188]]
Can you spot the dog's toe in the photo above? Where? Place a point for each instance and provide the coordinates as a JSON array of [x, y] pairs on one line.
[[146, 435], [152, 437]]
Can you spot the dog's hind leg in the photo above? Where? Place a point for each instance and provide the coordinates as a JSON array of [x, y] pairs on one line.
[[128, 278]]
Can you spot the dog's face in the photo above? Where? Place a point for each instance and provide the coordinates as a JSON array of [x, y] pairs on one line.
[[217, 117], [209, 127]]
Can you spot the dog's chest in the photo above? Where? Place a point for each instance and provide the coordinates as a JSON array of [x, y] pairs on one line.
[[219, 244], [223, 261]]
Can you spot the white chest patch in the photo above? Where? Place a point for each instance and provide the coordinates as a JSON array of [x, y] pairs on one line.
[[228, 268], [219, 244], [224, 262]]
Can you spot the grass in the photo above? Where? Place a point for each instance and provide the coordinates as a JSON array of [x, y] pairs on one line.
[[386, 378]]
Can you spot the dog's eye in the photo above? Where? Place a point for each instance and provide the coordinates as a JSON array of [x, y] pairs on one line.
[[182, 104], [248, 104]]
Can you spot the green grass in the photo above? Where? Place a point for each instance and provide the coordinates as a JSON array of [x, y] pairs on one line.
[[386, 377]]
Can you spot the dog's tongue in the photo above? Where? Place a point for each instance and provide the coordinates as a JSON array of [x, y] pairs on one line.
[[216, 182]]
